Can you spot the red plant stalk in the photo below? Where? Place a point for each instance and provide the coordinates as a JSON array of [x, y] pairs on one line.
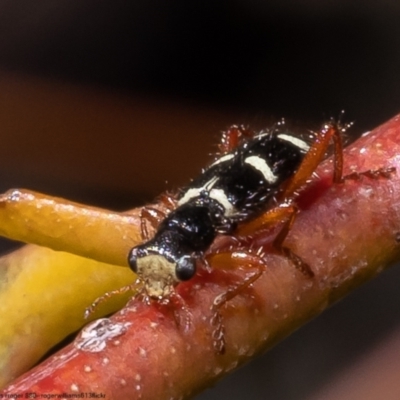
[[346, 233]]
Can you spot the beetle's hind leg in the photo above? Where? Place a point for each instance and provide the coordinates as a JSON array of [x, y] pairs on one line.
[[330, 132]]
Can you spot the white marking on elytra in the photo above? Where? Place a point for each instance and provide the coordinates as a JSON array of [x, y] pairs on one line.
[[189, 195], [208, 185], [262, 134], [220, 196], [222, 159], [195, 192], [216, 194], [301, 144], [261, 165]]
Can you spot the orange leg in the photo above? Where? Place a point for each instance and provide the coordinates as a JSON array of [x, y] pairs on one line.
[[280, 238], [330, 131], [180, 307], [168, 200], [89, 310], [285, 213], [267, 220], [234, 260], [153, 217], [238, 259], [233, 137]]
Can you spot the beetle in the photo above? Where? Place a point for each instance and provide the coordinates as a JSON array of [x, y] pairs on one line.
[[255, 181], [250, 186], [243, 182]]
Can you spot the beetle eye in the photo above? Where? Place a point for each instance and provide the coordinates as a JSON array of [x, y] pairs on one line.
[[185, 268], [132, 259]]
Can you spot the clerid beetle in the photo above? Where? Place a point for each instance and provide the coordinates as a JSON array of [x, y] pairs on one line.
[[240, 184], [254, 180], [250, 186]]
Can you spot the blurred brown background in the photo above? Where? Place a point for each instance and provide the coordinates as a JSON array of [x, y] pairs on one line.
[[103, 102]]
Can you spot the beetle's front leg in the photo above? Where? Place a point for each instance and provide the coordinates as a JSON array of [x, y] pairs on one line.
[[254, 266]]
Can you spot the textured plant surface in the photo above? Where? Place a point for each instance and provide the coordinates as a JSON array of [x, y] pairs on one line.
[[346, 232]]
